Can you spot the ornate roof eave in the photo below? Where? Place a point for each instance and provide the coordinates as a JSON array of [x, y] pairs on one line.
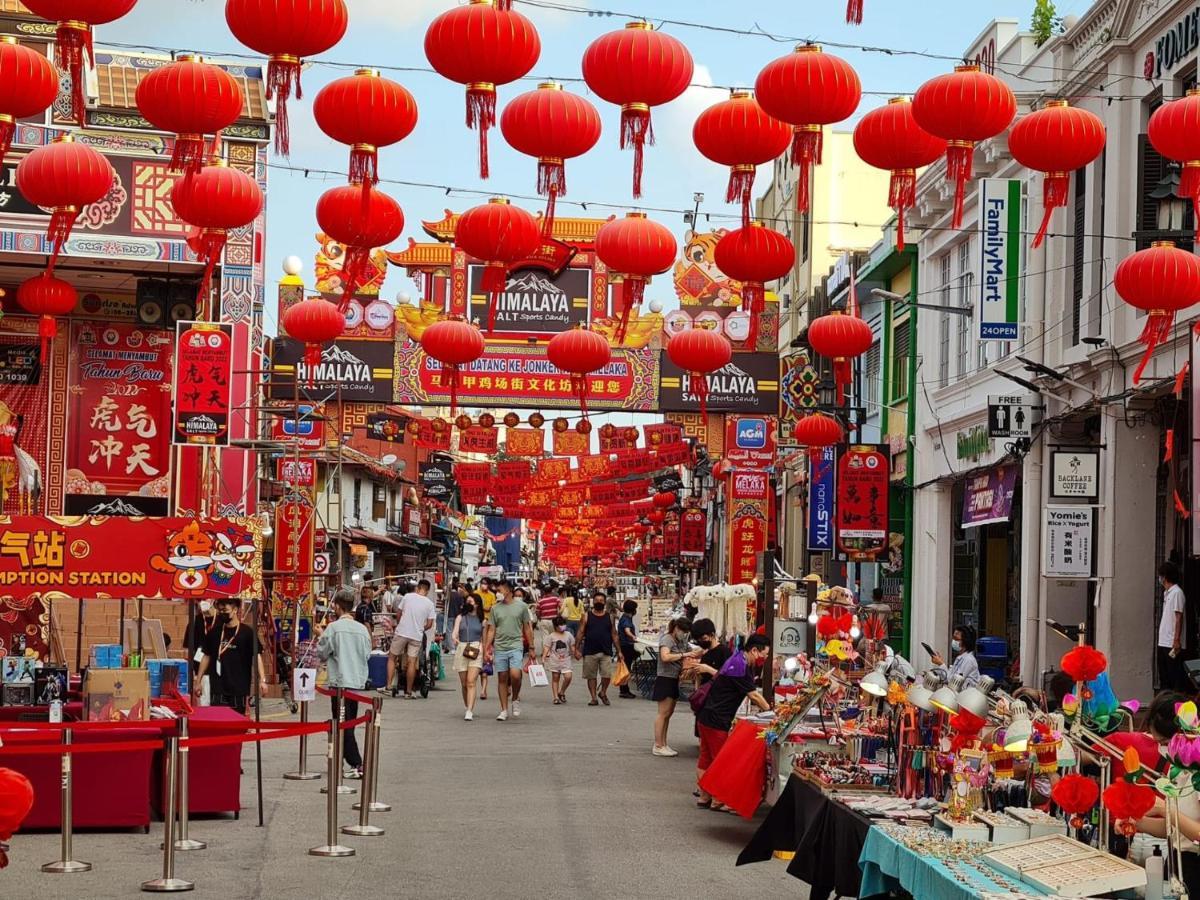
[[423, 256], [568, 230]]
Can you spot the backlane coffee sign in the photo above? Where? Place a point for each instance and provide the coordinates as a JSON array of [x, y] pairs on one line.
[[535, 301], [203, 371], [356, 370], [749, 384]]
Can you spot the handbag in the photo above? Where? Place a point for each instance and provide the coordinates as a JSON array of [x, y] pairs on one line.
[[537, 675], [470, 651], [621, 676], [700, 696]]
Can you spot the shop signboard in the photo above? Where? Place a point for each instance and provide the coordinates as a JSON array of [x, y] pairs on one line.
[[1075, 474], [306, 426], [1010, 416], [1000, 242], [693, 529], [19, 363], [747, 538], [203, 373], [386, 427], [437, 480], [790, 637], [988, 496], [1068, 542], [862, 502], [128, 558], [119, 409], [28, 405], [749, 486], [358, 370], [748, 384], [750, 441], [534, 301], [295, 547], [822, 480], [296, 473]]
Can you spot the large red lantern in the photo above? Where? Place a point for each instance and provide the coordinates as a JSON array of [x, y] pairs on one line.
[[579, 352], [366, 111], [889, 138], [964, 107], [46, 296], [193, 99], [482, 45], [808, 89], [754, 255], [28, 85], [1161, 280], [740, 134], [638, 249], [637, 68], [818, 430], [63, 177], [361, 219], [214, 201], [453, 343], [551, 125], [286, 31], [73, 37], [16, 800], [699, 352], [499, 234], [1056, 140], [665, 500], [313, 322], [1174, 131], [840, 338]]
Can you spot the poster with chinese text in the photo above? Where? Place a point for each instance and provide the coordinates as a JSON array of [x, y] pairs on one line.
[[203, 372]]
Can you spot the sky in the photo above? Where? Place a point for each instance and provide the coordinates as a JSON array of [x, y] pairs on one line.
[[442, 152]]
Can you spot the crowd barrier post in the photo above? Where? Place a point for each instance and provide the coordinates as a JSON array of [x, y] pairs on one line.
[[302, 773], [339, 739], [169, 883], [333, 764], [373, 736], [184, 842], [364, 828], [66, 864]]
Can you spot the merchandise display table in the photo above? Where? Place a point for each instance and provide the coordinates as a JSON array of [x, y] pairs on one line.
[[214, 773]]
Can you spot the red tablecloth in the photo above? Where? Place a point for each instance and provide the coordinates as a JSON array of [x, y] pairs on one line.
[[736, 777], [214, 773], [111, 790]]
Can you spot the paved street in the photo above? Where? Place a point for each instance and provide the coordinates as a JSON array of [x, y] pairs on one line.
[[564, 802]]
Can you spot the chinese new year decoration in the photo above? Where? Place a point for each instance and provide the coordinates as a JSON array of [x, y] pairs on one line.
[[313, 322], [365, 111], [361, 219], [499, 234], [28, 85], [636, 248], [453, 343], [192, 99], [755, 255], [841, 337], [854, 12], [700, 352], [1161, 280], [1083, 663], [46, 296], [1075, 795], [579, 352], [1172, 130], [818, 430]]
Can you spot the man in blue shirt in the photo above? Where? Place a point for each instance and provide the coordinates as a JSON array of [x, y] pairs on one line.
[[344, 646]]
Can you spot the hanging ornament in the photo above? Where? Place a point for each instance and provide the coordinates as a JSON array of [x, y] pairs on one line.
[[512, 420], [28, 85], [754, 255], [739, 134], [1174, 131], [808, 89], [537, 420], [286, 31], [579, 352], [637, 68], [1075, 795], [888, 137], [964, 107], [636, 248], [314, 322], [699, 352], [463, 422], [1083, 663], [818, 430], [487, 420], [551, 125], [360, 222], [498, 234], [192, 99], [454, 343], [841, 337], [583, 426], [1127, 802], [1161, 280], [367, 112], [47, 296], [854, 12]]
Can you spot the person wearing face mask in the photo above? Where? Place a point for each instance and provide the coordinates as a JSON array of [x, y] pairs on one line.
[[468, 651], [597, 647], [229, 655], [963, 647], [704, 633], [673, 649], [556, 654], [627, 631]]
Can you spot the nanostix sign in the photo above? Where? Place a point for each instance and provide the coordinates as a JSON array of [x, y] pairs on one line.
[[1000, 242]]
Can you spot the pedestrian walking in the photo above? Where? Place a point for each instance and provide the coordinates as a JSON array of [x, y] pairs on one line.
[[365, 611], [229, 655], [345, 646], [547, 608], [488, 596], [1172, 631], [557, 654], [597, 647], [416, 617], [572, 610], [673, 649], [468, 654], [389, 596], [627, 635], [505, 640]]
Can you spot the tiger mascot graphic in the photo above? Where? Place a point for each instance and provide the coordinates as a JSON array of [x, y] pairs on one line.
[[698, 281]]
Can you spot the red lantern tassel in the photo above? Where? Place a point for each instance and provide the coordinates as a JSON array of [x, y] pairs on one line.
[[504, 5], [71, 41], [741, 189], [1180, 380], [1056, 186], [1158, 328], [47, 331], [633, 292], [1189, 186], [842, 376], [354, 273], [552, 181], [854, 12], [312, 359], [753, 302], [1181, 507], [579, 384], [699, 385], [481, 114], [636, 129], [495, 278], [8, 129], [364, 166], [807, 141], [208, 244], [1169, 446], [452, 381], [62, 220], [960, 162], [902, 194], [189, 153], [283, 77]]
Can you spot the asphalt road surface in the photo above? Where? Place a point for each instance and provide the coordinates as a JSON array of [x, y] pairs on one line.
[[565, 802]]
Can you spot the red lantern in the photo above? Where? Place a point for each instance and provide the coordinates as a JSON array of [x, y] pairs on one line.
[[482, 46], [740, 134], [286, 31], [28, 85], [700, 352], [360, 219], [192, 99], [63, 177], [1075, 795], [579, 352], [366, 111], [818, 430], [73, 38], [1056, 140], [854, 12], [1083, 663], [1161, 280], [499, 234], [638, 249], [314, 322], [840, 337], [46, 296], [665, 500], [637, 68], [215, 201], [1173, 133], [754, 255], [553, 126], [964, 107], [656, 516], [16, 800], [808, 89], [1128, 802], [453, 343], [889, 138]]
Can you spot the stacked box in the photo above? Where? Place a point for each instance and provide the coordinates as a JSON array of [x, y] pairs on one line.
[[17, 669], [16, 693], [173, 674], [117, 694], [106, 656]]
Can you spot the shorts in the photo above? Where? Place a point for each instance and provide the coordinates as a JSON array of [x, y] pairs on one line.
[[598, 664], [711, 742], [461, 663], [665, 688], [508, 659], [404, 646], [554, 664]]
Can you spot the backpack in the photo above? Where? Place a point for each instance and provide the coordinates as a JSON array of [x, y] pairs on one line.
[[700, 696]]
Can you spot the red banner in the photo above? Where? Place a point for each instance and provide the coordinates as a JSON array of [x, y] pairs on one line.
[[473, 475], [594, 467], [127, 558], [119, 441], [512, 474], [604, 493], [676, 453], [294, 551], [617, 438], [525, 442], [203, 372], [478, 439], [571, 443], [693, 531], [862, 503], [634, 490], [747, 538], [552, 471], [430, 436], [662, 434]]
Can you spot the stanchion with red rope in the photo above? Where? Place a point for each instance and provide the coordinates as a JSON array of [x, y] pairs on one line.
[[302, 773], [364, 828], [66, 864], [333, 769], [168, 883], [185, 842], [373, 733]]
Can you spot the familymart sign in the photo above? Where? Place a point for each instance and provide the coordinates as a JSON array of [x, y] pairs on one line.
[[1000, 243]]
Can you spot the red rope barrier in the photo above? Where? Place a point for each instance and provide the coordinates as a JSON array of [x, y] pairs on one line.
[[347, 693], [225, 740], [354, 723], [73, 749], [17, 727]]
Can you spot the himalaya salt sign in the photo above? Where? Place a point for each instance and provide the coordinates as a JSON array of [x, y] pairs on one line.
[[1000, 270]]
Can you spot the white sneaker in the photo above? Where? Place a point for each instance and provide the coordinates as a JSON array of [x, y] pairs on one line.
[[468, 715], [516, 708], [664, 751], [503, 717]]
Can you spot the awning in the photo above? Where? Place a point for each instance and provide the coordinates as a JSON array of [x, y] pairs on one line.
[[371, 537]]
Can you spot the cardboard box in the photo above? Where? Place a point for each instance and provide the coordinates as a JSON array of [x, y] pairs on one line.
[[168, 677], [112, 695], [106, 656]]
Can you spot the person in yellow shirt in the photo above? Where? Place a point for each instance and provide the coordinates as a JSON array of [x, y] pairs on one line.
[[572, 610], [488, 596]]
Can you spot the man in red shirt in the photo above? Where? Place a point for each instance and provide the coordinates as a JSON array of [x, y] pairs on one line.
[[547, 609]]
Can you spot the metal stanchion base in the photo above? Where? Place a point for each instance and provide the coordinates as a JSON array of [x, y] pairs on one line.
[[168, 885], [188, 845], [342, 789], [67, 867], [335, 850], [302, 776], [376, 806], [362, 830]]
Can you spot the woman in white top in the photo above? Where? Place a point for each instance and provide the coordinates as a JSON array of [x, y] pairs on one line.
[[964, 663]]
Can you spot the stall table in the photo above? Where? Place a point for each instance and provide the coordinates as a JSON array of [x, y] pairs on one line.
[[214, 773]]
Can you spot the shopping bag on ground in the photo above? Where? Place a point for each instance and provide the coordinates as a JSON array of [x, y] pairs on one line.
[[621, 676], [537, 675]]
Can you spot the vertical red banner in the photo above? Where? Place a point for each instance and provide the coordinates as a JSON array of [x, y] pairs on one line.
[[862, 503], [693, 529], [294, 550], [203, 373]]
